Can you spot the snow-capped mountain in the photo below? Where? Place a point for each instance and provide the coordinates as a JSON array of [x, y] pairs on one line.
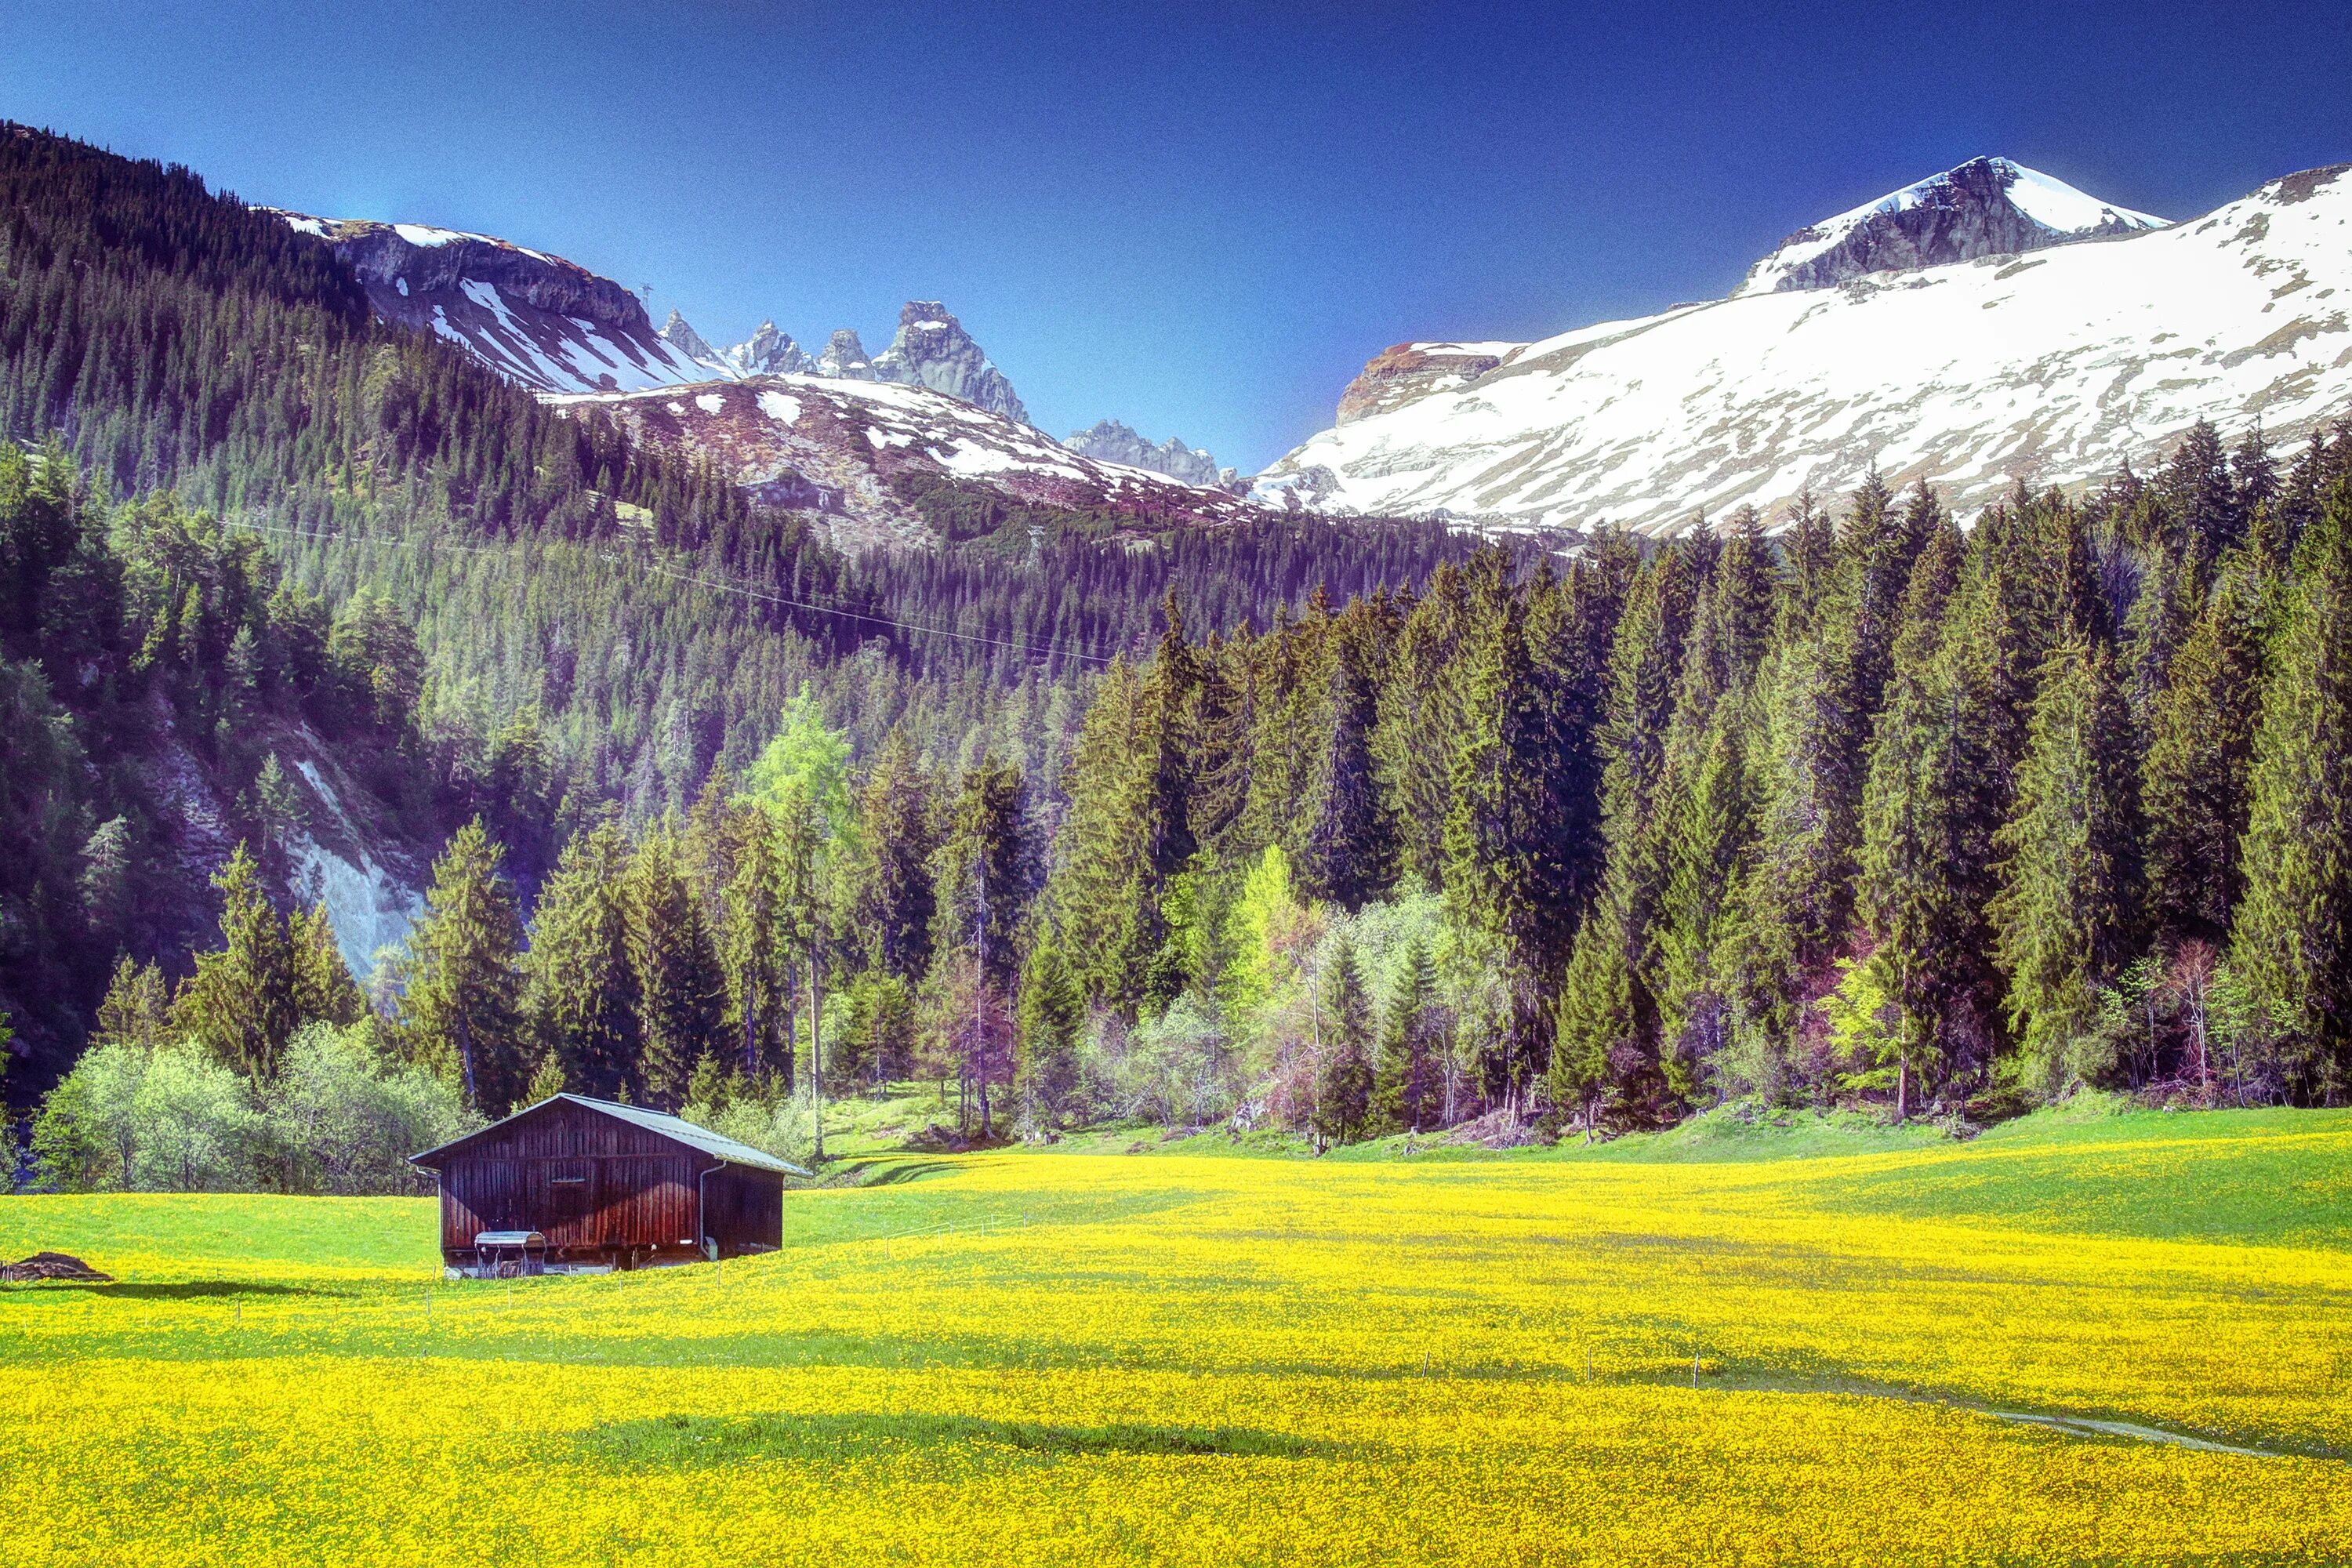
[[550, 324], [767, 351], [840, 446], [1987, 206], [556, 327], [2055, 365], [1115, 441]]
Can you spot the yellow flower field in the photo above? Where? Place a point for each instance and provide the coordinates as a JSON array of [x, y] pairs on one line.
[[1057, 1358]]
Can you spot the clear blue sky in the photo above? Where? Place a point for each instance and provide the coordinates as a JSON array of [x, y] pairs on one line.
[[1201, 219]]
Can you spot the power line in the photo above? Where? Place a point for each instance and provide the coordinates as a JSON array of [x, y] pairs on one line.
[[1045, 650]]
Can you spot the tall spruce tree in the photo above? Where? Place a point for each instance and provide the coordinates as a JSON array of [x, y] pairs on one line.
[[2064, 921], [2294, 927], [2200, 760], [239, 1004], [895, 901], [461, 1009], [1351, 850], [1052, 1015], [683, 994], [581, 987], [1408, 1087]]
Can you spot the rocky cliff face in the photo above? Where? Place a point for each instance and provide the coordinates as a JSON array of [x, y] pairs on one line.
[[931, 348], [1987, 206], [1112, 441], [846, 358], [768, 351], [2053, 366], [537, 319], [1396, 377]]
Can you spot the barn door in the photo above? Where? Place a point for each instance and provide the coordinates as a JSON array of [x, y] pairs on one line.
[[570, 1203]]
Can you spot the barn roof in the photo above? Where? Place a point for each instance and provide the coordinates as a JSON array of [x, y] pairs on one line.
[[672, 1127]]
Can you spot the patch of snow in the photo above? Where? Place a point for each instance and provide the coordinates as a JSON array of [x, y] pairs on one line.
[[401, 284], [709, 402], [781, 408]]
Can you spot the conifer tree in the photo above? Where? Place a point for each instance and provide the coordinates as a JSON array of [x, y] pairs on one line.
[[2200, 757], [1343, 1087], [1351, 851], [1407, 1088], [239, 1003], [682, 1014], [580, 987], [462, 1008], [1420, 721], [137, 1009], [1052, 1015], [2294, 927], [2064, 920], [895, 904], [324, 990], [983, 878]]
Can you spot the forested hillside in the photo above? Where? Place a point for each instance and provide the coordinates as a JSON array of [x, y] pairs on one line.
[[254, 536]]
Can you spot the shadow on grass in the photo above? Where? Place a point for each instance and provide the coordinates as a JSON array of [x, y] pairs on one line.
[[187, 1290], [669, 1442]]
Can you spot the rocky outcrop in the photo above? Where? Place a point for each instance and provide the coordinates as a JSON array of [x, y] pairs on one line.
[[550, 324], [1397, 375], [678, 335], [849, 451], [931, 348], [768, 351], [1987, 206], [1113, 441], [845, 357]]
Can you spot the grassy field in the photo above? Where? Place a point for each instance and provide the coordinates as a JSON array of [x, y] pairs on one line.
[[1729, 1344]]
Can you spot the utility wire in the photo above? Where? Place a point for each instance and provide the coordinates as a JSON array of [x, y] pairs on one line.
[[722, 586]]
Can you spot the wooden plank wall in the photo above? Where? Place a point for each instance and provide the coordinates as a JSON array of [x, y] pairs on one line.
[[630, 1187]]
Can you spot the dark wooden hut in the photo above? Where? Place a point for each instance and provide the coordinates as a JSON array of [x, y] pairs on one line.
[[607, 1183]]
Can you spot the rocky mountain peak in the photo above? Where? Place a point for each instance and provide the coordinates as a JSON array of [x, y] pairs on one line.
[[931, 348], [846, 358], [769, 352], [1115, 441], [678, 335], [1986, 207]]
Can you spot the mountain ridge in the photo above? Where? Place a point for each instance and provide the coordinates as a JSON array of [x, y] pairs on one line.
[[2057, 365]]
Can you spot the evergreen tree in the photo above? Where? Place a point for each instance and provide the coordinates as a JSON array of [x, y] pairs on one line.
[[1343, 1083], [2199, 755], [137, 1009], [239, 1003], [683, 1007], [2294, 928], [580, 987], [324, 990], [1407, 1088], [1052, 1015], [1351, 852], [894, 903], [2063, 921], [462, 1008]]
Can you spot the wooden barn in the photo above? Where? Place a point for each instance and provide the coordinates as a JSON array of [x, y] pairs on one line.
[[607, 1183]]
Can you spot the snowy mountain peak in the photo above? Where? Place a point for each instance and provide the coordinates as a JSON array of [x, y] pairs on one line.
[[1115, 441], [1973, 372], [931, 348], [1986, 207], [768, 351]]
